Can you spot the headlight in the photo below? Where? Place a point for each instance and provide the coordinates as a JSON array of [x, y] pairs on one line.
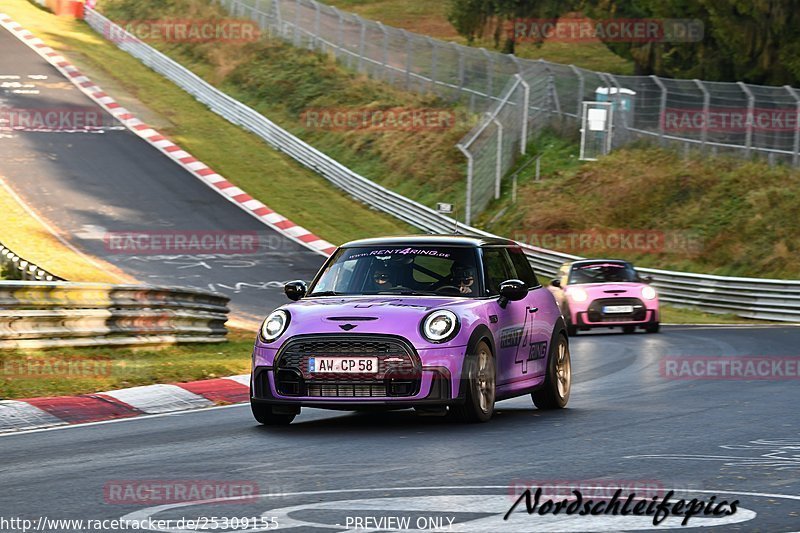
[[578, 295], [274, 326], [648, 293], [440, 326]]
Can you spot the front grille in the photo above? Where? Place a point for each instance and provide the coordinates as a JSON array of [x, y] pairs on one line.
[[398, 373], [596, 314]]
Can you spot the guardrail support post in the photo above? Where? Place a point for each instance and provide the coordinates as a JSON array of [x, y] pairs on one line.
[[751, 104]]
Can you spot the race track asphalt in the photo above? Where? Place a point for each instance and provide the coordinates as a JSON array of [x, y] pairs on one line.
[[90, 185], [626, 426]]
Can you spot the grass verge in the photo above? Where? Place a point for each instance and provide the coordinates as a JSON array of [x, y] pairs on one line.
[[36, 373]]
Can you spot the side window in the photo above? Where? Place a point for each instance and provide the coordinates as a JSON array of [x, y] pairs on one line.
[[498, 268], [523, 267]]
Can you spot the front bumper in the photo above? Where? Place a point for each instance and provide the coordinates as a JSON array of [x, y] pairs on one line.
[[406, 376]]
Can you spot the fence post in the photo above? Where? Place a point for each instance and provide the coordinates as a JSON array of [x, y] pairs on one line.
[[796, 154], [581, 88], [297, 23], [706, 111], [362, 42], [385, 55], [278, 16], [662, 107], [498, 171], [409, 57], [434, 59], [517, 62], [314, 43], [339, 33], [489, 73], [460, 53], [470, 171], [526, 104], [751, 102]]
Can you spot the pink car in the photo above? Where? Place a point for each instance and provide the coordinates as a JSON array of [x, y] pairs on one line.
[[599, 293]]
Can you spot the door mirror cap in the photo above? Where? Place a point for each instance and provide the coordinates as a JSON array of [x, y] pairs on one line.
[[512, 290], [556, 283], [295, 290]]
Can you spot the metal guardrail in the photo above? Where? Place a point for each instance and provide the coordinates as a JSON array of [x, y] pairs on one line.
[[34, 314], [746, 297]]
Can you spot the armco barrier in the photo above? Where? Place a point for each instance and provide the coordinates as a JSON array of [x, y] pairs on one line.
[[34, 314], [746, 297]]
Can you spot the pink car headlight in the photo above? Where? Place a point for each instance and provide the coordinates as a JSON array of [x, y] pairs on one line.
[[577, 294]]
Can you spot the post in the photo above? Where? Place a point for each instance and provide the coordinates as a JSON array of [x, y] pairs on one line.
[[460, 54], [362, 42], [706, 111], [339, 32], [526, 102], [470, 170], [581, 88], [663, 108], [409, 56], [751, 103], [385, 55], [278, 16], [297, 23], [434, 66], [498, 171], [489, 73], [317, 17], [796, 154]]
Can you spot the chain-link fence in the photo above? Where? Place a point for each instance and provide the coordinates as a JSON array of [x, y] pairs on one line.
[[519, 97]]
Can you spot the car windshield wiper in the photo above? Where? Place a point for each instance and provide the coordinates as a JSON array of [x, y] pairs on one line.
[[326, 293], [408, 293]]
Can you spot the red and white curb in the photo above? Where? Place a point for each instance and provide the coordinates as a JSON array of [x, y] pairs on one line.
[[38, 413], [197, 168]]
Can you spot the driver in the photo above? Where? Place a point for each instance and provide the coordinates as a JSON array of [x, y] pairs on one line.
[[464, 278], [381, 278]]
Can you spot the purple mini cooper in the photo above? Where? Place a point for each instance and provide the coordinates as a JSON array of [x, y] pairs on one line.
[[443, 324]]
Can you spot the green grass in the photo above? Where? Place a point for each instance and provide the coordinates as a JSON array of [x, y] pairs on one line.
[[36, 373], [724, 216]]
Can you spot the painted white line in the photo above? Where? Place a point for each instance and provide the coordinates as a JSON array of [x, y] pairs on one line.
[[243, 379], [119, 420]]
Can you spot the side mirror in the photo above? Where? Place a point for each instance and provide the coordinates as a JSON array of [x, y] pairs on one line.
[[556, 283], [648, 279], [511, 291], [295, 290]]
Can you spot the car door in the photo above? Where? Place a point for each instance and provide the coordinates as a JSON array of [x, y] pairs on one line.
[[511, 319], [542, 314]]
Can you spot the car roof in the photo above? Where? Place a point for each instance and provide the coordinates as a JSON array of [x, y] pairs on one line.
[[431, 240]]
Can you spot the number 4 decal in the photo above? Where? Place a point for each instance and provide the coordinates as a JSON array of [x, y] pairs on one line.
[[529, 351]]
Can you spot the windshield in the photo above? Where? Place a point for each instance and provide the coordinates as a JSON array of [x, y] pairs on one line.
[[602, 273], [415, 270]]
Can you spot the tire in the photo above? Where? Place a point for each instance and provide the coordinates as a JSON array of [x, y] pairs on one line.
[[653, 327], [480, 383], [628, 329], [264, 415], [572, 329], [554, 393]]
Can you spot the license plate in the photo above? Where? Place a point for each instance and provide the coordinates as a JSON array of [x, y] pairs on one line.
[[618, 309], [343, 365]]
